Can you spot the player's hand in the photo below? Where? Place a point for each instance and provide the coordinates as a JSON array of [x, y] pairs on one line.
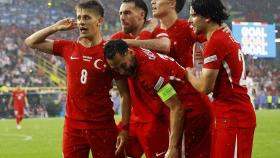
[[121, 141], [65, 24], [150, 25], [172, 153], [225, 28]]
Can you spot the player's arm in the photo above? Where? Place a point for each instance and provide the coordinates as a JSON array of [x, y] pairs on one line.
[[161, 45], [26, 101], [206, 82], [152, 38], [125, 107], [38, 40], [10, 101], [170, 98]]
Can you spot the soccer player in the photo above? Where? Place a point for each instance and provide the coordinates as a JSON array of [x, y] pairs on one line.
[[149, 123], [160, 74], [20, 100], [89, 121], [182, 40], [133, 17], [223, 73]]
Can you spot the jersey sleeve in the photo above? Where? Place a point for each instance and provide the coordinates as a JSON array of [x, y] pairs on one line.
[[59, 47], [166, 71], [213, 53]]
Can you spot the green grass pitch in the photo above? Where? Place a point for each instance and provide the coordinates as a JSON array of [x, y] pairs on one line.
[[41, 138]]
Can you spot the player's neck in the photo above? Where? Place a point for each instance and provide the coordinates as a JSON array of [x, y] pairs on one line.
[[137, 30], [210, 29], [91, 41], [168, 20]]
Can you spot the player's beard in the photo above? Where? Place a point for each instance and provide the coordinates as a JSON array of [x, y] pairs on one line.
[[133, 67], [128, 30]]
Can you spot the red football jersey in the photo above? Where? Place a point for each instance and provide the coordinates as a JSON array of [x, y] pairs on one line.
[[18, 96], [230, 93], [145, 108], [156, 70], [182, 39], [88, 83]]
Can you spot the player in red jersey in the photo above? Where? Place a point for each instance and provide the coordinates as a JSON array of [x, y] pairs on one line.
[[20, 100], [149, 122], [182, 40], [223, 74], [89, 121], [156, 73], [179, 31], [133, 18]]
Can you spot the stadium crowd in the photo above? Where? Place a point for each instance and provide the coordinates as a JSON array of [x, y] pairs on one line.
[[17, 66]]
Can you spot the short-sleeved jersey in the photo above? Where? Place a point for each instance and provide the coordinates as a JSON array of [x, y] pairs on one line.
[[182, 39], [145, 107], [88, 83], [231, 101], [19, 98], [156, 70]]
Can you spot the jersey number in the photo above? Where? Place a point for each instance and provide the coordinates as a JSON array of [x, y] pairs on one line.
[[242, 81], [84, 75]]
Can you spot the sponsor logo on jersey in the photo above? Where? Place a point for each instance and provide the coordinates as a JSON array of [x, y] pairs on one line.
[[73, 58], [159, 154]]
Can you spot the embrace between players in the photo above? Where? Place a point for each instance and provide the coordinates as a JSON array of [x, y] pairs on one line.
[[165, 108]]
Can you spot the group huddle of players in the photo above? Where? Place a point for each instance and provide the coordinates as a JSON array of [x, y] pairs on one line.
[[165, 108]]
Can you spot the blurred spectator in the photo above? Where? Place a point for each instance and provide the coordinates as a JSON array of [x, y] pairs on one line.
[[115, 98]]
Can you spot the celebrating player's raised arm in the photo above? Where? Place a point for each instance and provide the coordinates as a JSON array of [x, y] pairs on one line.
[[39, 40]]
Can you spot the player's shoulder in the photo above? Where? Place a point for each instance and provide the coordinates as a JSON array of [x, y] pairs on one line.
[[159, 33], [182, 23], [119, 35], [219, 37]]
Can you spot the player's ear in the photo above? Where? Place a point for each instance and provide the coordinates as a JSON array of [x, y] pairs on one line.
[[172, 3], [100, 21], [142, 13], [130, 51]]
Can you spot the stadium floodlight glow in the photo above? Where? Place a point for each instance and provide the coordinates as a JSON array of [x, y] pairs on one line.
[[50, 4], [277, 40], [276, 31]]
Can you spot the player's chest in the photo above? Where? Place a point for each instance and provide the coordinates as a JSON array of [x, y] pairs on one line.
[[19, 96], [91, 62]]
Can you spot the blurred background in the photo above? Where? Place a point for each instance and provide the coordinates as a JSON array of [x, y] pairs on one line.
[[254, 23]]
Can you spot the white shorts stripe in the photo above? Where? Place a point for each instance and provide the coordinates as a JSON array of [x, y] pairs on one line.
[[235, 148]]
